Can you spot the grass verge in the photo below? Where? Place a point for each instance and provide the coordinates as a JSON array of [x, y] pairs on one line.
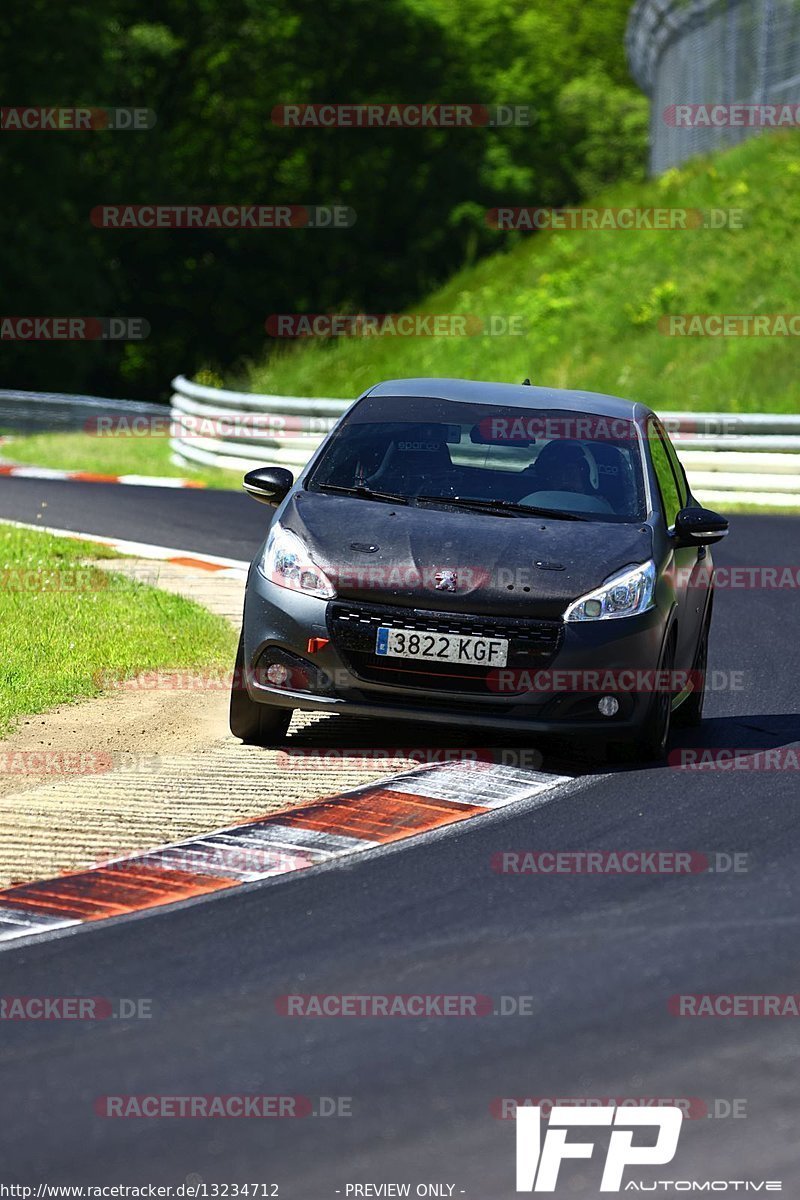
[[122, 455], [64, 624]]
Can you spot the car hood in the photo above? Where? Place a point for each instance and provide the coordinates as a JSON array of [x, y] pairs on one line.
[[500, 566]]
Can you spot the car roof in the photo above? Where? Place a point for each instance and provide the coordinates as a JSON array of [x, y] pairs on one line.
[[516, 395]]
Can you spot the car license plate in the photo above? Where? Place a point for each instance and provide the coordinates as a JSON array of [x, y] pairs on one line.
[[442, 647]]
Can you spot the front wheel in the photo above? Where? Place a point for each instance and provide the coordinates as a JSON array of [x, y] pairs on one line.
[[690, 713], [256, 724], [651, 745], [655, 732]]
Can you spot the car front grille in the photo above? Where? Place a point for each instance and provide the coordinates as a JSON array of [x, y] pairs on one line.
[[353, 629]]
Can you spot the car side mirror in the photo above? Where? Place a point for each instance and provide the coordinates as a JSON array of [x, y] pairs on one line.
[[268, 484], [699, 527]]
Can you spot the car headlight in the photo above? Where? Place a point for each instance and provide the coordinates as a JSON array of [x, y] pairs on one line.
[[287, 562], [624, 595]]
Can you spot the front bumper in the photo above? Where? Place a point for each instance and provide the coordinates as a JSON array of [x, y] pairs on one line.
[[279, 622]]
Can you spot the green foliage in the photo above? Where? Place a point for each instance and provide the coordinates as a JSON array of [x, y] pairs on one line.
[[212, 71], [590, 301], [606, 130]]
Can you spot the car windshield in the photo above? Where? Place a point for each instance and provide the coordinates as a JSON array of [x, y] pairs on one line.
[[550, 460]]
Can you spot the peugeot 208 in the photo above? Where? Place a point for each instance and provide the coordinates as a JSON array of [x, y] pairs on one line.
[[512, 558]]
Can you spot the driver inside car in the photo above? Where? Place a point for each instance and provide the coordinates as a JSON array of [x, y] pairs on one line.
[[561, 466]]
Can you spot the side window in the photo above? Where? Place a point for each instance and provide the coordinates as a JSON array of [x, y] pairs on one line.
[[683, 493], [667, 485]]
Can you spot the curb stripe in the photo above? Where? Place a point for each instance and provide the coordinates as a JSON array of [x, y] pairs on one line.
[[102, 892], [23, 472], [380, 814], [15, 924], [200, 563], [488, 790], [352, 822]]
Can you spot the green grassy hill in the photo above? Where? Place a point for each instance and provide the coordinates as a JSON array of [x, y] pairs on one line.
[[590, 302]]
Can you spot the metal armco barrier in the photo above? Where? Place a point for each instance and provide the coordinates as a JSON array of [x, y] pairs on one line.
[[51, 412], [751, 458], [238, 430]]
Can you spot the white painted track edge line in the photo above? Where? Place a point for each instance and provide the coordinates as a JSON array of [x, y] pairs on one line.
[[135, 549]]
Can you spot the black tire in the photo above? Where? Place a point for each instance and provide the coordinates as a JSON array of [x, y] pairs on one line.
[[690, 713], [655, 732], [255, 724], [653, 740]]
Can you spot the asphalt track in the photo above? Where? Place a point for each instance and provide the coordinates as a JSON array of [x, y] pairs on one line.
[[599, 955], [228, 524]]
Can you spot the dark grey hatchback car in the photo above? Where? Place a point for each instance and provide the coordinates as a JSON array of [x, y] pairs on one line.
[[465, 553]]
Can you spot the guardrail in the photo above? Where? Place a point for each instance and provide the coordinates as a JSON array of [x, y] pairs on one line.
[[729, 457], [49, 412], [215, 427]]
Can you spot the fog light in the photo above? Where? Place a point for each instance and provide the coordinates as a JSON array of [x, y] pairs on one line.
[[278, 674], [608, 706]]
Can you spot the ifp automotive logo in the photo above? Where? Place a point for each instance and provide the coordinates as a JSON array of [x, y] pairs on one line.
[[538, 1161]]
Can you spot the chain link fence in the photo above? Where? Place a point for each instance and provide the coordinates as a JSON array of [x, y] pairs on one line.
[[705, 52]]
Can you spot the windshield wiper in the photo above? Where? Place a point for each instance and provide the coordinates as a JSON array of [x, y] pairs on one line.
[[360, 489], [500, 506]]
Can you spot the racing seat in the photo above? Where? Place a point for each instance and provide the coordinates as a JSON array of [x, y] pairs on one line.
[[409, 469], [615, 476]]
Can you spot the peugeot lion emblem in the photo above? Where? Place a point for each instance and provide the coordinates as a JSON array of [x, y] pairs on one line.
[[445, 581]]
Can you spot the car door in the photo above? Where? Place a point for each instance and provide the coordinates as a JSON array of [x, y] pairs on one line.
[[687, 566], [702, 568]]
